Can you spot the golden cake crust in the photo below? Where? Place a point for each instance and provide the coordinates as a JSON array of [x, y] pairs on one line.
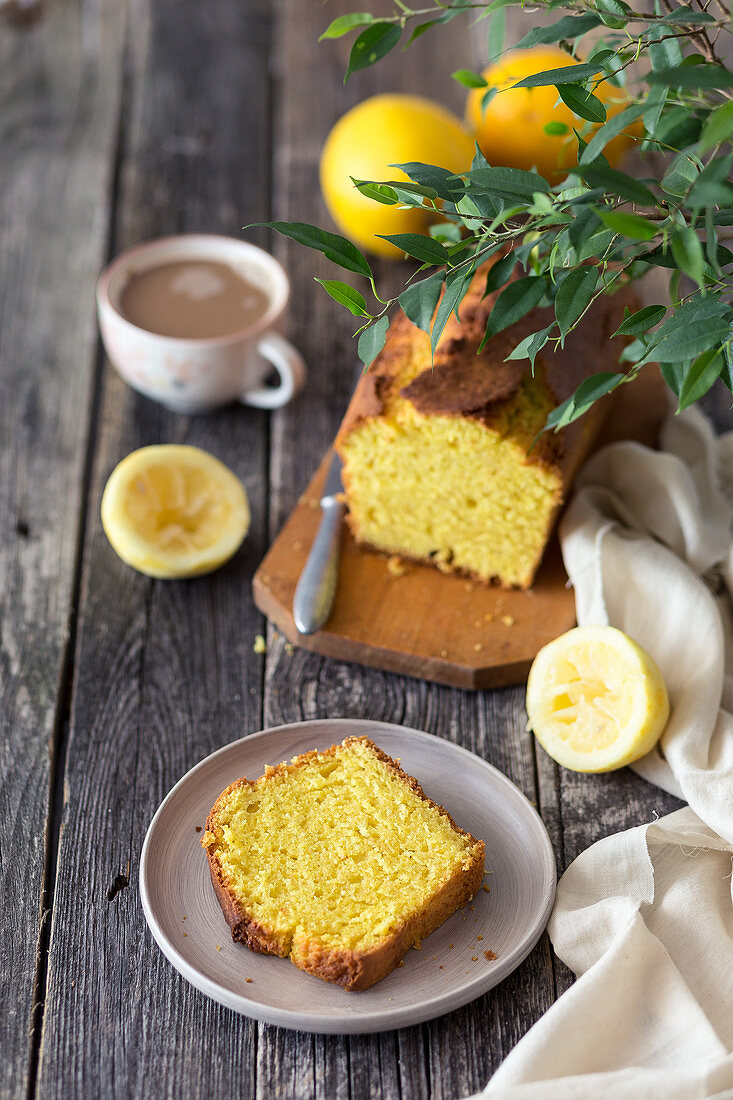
[[478, 387], [462, 383], [353, 970]]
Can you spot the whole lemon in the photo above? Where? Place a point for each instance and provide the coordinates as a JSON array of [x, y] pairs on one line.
[[383, 130], [510, 130]]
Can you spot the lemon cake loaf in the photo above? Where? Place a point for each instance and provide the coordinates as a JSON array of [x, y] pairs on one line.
[[339, 861], [438, 463]]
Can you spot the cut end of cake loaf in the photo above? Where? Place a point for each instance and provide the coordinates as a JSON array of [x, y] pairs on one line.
[[438, 458], [339, 861]]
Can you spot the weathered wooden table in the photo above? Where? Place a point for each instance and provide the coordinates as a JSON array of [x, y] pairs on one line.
[[121, 121]]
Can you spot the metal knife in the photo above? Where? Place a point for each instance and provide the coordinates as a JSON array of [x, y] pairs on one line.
[[316, 589]]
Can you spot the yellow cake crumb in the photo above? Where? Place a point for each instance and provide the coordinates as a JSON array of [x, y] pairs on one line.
[[260, 645], [396, 566]]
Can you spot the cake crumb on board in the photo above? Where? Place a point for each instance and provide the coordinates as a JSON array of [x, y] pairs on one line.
[[396, 567], [260, 645]]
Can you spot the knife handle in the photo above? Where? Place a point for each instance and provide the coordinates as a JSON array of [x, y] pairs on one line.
[[317, 585]]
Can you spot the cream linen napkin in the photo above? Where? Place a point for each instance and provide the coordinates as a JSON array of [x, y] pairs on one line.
[[645, 917]]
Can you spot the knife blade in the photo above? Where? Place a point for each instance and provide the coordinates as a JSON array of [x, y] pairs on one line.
[[316, 588]]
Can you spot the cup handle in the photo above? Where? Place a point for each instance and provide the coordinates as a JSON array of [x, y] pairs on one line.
[[289, 364]]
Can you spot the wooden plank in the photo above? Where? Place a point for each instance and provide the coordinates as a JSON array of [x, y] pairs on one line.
[[60, 79], [165, 670]]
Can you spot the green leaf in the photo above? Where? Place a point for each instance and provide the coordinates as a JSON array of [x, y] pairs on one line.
[[693, 76], [531, 345], [422, 28], [635, 352], [446, 233], [687, 252], [655, 102], [711, 188], [641, 321], [666, 54], [420, 299], [334, 247], [619, 183], [570, 26], [371, 45], [570, 74], [469, 79], [610, 130], [345, 23], [425, 249], [700, 377], [456, 285], [629, 225], [727, 372], [586, 395], [596, 245], [717, 170], [377, 192], [556, 129], [687, 17], [680, 175], [674, 375], [574, 295], [480, 205], [691, 330], [658, 257], [511, 183], [391, 191], [710, 194], [711, 241], [513, 303], [677, 127], [445, 184], [494, 6], [345, 295], [582, 102], [497, 32], [499, 273], [614, 13], [584, 223], [718, 127], [372, 341]]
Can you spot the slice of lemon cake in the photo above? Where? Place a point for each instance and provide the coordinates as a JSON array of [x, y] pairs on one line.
[[339, 861], [437, 464]]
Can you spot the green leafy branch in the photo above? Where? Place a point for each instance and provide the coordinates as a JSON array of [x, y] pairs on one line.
[[563, 246]]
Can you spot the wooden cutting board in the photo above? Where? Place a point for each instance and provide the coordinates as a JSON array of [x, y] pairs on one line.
[[425, 623]]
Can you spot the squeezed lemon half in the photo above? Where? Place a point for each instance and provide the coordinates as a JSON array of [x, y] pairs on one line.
[[174, 511], [595, 699]]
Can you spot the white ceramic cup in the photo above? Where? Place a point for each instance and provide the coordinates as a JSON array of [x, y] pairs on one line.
[[191, 375]]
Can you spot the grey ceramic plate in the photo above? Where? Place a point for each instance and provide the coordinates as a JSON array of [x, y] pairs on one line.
[[450, 970]]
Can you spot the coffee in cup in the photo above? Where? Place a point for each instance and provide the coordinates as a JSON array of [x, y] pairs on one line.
[[189, 322]]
